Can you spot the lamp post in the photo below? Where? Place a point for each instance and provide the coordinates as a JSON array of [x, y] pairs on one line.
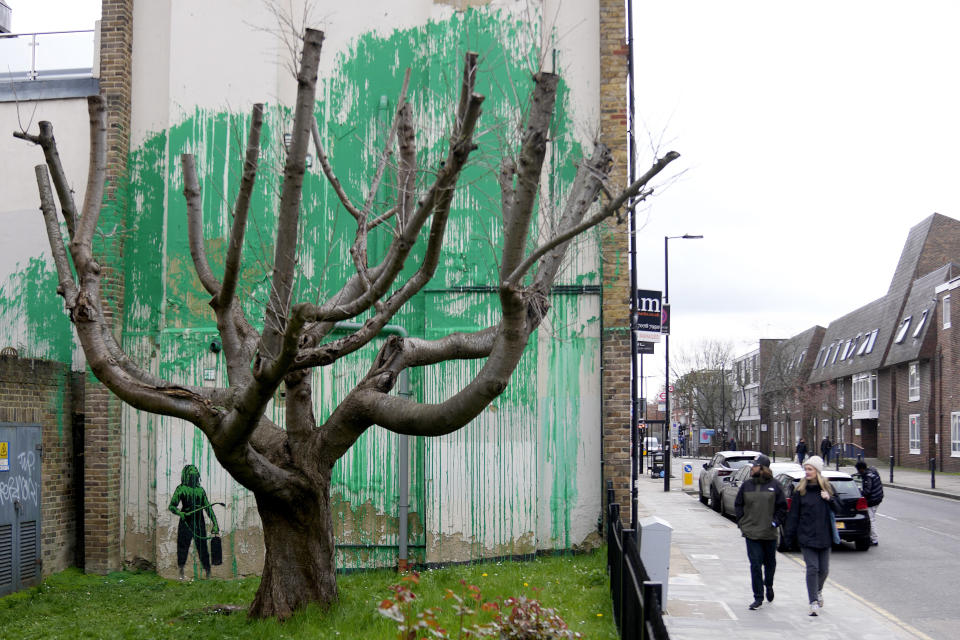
[[666, 301]]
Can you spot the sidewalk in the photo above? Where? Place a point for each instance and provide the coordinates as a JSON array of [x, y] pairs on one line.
[[947, 484], [709, 587]]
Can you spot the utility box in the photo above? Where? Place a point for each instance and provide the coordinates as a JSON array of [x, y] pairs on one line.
[[655, 535]]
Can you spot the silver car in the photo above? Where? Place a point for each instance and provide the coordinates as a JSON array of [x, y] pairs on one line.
[[728, 496], [718, 471]]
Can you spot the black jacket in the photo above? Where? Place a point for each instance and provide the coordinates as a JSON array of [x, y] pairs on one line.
[[801, 449], [760, 507], [872, 487], [808, 521]]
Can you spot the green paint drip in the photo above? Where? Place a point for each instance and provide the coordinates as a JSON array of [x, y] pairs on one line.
[[168, 317], [32, 316]]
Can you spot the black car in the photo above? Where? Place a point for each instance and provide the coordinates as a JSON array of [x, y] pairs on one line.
[[718, 471], [853, 523]]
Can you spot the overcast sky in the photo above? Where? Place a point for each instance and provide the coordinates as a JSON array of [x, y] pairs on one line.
[[31, 16], [813, 136]]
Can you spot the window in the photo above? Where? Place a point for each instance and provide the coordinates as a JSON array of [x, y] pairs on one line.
[[914, 433], [946, 312], [839, 393], [841, 431], [837, 352], [867, 345], [816, 363], [913, 382], [923, 321], [902, 329], [873, 338], [865, 395], [796, 431], [955, 434], [825, 428]]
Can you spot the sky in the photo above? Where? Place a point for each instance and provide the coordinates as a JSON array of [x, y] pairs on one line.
[[812, 136], [31, 16]]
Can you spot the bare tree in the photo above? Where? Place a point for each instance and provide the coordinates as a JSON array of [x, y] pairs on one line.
[[289, 470], [704, 385]]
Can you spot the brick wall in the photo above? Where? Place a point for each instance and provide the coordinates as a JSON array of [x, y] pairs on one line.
[[615, 340], [39, 392], [948, 371], [102, 437]]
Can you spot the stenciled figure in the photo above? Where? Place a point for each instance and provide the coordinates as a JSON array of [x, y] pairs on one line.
[[192, 501]]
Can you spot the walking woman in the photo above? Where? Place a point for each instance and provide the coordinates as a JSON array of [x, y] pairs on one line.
[[809, 522]]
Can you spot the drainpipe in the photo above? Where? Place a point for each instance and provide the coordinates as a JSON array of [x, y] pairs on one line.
[[403, 472]]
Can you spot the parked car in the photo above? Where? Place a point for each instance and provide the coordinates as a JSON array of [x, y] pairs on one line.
[[718, 472], [853, 522], [650, 445], [728, 496]]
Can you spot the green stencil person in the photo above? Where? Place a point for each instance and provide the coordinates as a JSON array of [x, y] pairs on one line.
[[192, 500]]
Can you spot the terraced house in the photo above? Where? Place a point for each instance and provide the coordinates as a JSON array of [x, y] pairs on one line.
[[180, 77], [881, 378]]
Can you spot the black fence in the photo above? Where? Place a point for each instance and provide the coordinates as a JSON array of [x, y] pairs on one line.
[[636, 599]]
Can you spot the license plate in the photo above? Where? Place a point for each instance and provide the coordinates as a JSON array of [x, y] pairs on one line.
[[841, 525]]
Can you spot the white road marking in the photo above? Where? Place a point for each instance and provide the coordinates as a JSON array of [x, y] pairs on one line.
[[880, 515], [939, 533]]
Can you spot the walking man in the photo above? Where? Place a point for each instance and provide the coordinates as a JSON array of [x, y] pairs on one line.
[[873, 492], [761, 506], [825, 446], [801, 450]]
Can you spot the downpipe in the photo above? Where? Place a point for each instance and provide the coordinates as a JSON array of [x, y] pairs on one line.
[[403, 470]]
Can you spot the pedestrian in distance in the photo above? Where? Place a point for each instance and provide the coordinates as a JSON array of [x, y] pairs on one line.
[[825, 446], [810, 523], [801, 450], [732, 444], [872, 489], [761, 507]]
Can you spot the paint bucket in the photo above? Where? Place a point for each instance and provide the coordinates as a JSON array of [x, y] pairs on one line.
[[216, 551]]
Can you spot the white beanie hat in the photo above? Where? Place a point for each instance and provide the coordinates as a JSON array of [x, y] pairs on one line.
[[816, 462]]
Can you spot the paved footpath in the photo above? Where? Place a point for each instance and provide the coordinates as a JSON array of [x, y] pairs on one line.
[[709, 587]]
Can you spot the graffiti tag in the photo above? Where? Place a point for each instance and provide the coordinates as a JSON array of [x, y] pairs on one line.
[[19, 488], [27, 461]]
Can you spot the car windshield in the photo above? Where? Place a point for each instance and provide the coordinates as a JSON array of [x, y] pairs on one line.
[[846, 488], [736, 463]]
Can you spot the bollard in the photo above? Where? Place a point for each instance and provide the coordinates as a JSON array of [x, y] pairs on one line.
[[773, 455], [891, 469], [933, 471], [839, 453]]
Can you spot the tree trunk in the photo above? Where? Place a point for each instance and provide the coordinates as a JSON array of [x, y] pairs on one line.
[[299, 564]]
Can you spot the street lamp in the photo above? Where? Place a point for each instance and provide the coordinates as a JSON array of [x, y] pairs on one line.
[[666, 301]]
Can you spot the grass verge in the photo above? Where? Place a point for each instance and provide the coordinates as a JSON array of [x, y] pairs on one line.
[[143, 605]]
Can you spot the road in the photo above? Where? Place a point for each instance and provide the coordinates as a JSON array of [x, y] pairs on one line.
[[911, 573]]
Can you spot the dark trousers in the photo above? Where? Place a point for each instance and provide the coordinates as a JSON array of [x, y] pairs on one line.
[[763, 564], [193, 531], [818, 566]]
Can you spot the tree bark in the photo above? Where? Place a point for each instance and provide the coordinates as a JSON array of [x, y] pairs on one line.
[[299, 564]]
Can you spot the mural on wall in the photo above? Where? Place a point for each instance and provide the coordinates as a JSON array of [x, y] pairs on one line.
[[519, 479], [189, 502]]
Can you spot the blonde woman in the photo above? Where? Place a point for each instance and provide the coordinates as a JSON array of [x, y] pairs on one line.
[[810, 524]]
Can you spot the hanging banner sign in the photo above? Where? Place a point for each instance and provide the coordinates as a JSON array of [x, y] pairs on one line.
[[647, 323], [645, 348], [665, 319]]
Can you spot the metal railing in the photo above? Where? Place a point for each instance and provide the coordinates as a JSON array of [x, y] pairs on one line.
[[636, 599], [48, 55]]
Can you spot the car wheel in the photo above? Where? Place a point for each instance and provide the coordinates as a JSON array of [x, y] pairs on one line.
[[862, 544], [714, 500]]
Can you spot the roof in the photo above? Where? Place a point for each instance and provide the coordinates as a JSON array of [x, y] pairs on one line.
[[855, 342], [918, 316], [793, 358]]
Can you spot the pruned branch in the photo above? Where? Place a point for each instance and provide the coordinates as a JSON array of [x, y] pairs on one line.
[[66, 286], [241, 209], [635, 190], [191, 192], [60, 182], [97, 173], [285, 252]]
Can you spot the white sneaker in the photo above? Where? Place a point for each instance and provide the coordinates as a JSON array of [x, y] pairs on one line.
[[814, 607], [820, 599]]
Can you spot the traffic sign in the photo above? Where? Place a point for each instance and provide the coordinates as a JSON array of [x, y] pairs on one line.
[[663, 395]]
